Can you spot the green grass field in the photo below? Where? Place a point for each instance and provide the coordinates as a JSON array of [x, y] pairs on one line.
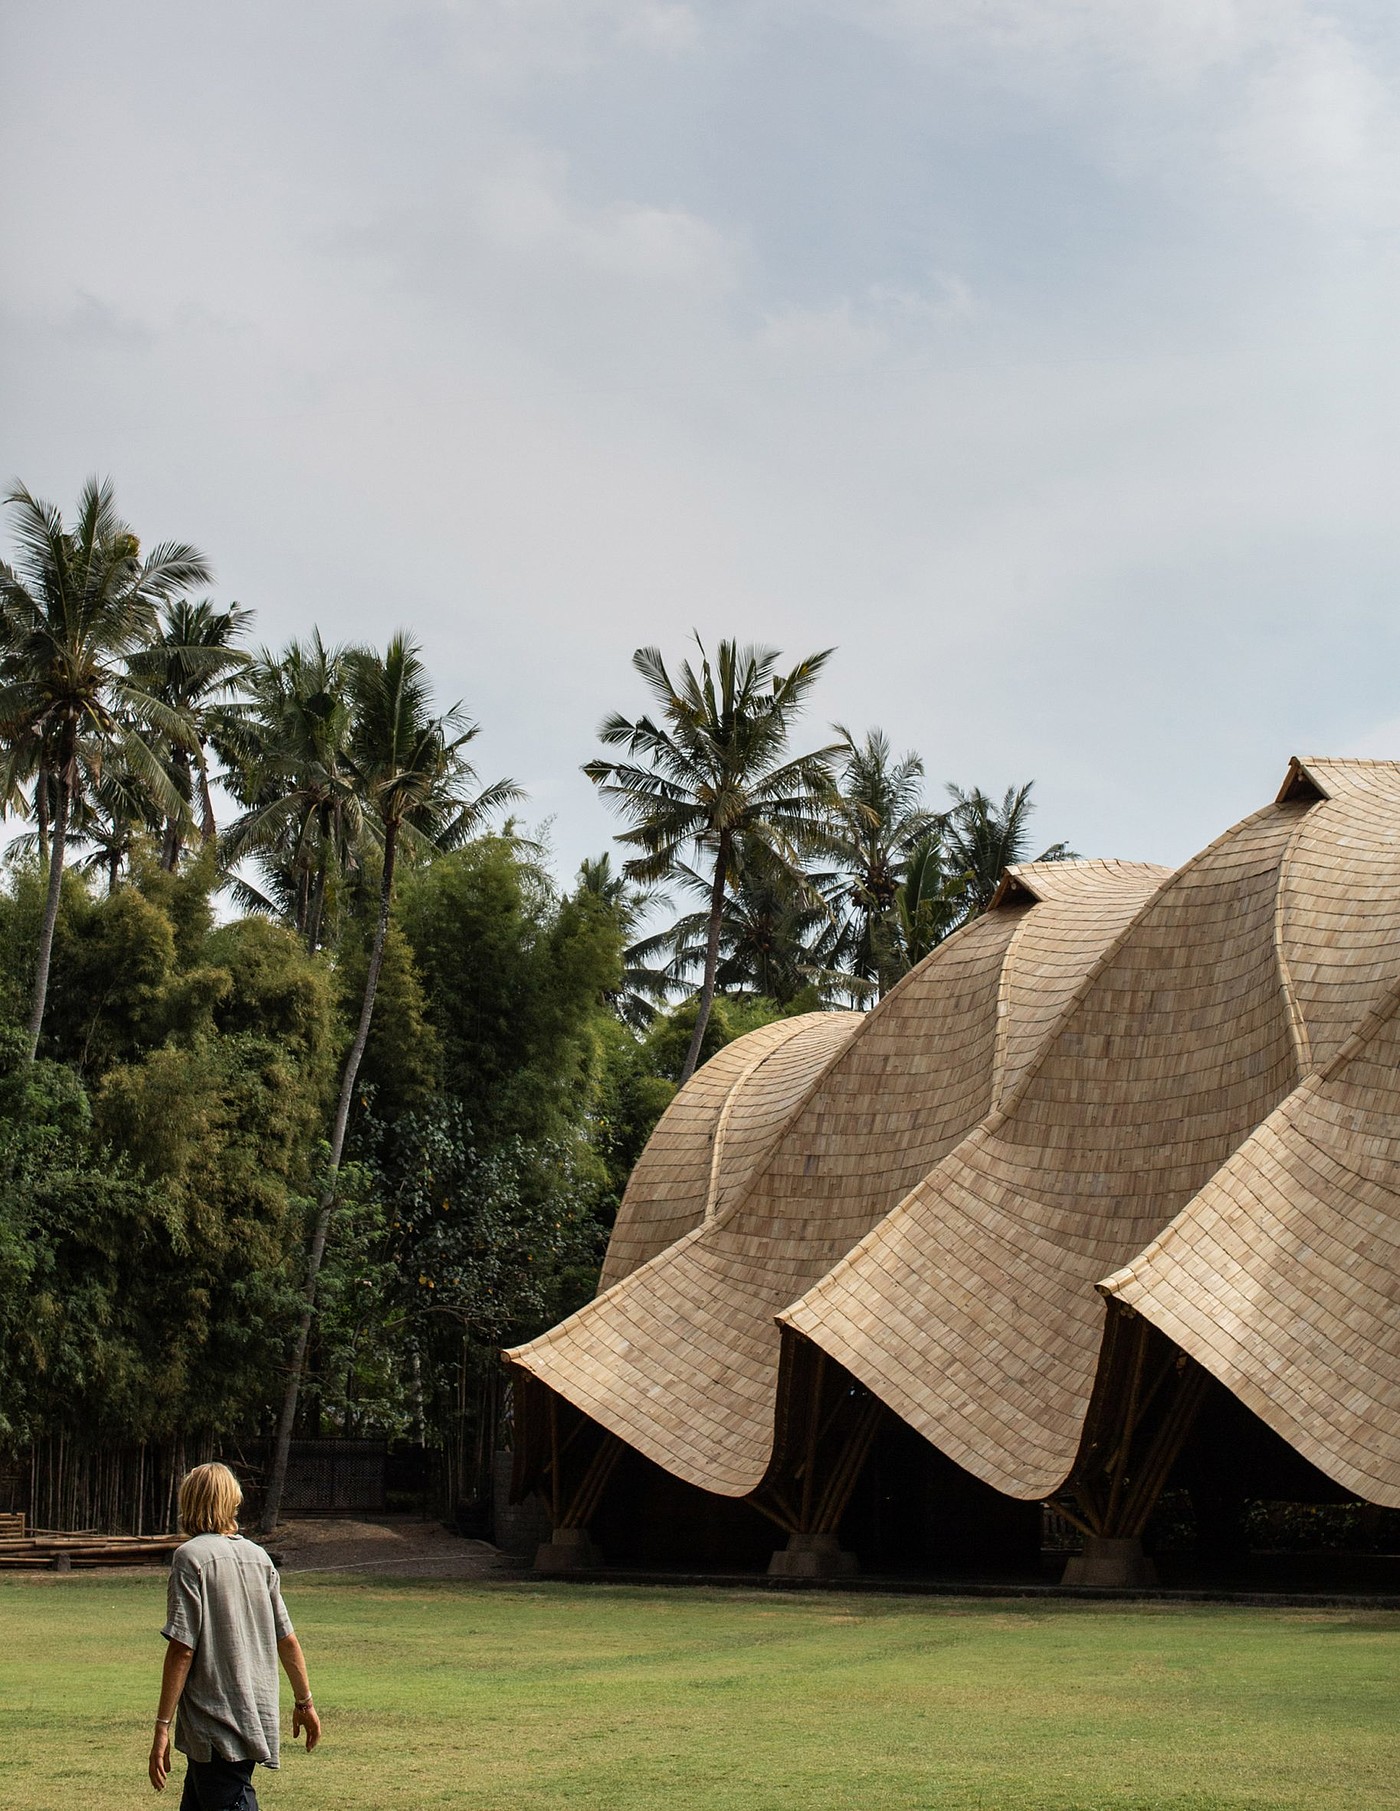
[[516, 1698]]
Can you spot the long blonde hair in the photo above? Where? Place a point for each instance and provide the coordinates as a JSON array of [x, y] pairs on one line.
[[209, 1500]]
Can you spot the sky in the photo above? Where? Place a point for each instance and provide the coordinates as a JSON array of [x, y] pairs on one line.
[[1039, 356]]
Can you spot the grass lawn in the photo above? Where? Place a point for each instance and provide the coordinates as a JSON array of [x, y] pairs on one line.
[[495, 1697]]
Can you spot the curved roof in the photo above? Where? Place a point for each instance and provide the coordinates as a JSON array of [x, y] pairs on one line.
[[1282, 1275], [680, 1357], [1169, 1085], [716, 1131], [971, 1309]]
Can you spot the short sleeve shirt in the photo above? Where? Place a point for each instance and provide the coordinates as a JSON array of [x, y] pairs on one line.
[[224, 1600]]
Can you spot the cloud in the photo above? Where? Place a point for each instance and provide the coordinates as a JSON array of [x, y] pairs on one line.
[[1037, 354]]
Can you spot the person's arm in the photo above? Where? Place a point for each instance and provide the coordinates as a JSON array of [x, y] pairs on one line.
[[303, 1710], [172, 1683]]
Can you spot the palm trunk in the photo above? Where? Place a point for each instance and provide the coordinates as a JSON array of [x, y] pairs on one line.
[[272, 1502], [208, 829], [707, 989], [51, 902], [174, 831], [41, 812], [316, 909]]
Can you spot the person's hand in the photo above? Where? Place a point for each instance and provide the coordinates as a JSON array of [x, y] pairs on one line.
[[304, 1718], [159, 1768]]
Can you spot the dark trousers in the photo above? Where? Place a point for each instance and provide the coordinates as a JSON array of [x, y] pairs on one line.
[[219, 1785]]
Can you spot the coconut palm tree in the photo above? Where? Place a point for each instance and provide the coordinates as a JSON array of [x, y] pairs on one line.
[[285, 746], [930, 903], [75, 606], [877, 820], [113, 816], [193, 665], [711, 768], [416, 790], [983, 839], [780, 931], [644, 986]]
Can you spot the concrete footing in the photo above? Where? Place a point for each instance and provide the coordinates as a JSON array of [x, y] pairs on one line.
[[812, 1556], [568, 1550], [1108, 1560]]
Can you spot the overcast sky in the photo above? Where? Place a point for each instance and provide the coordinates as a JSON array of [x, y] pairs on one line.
[[1040, 355]]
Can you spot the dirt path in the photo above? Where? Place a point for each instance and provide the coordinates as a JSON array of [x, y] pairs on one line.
[[386, 1546], [394, 1546]]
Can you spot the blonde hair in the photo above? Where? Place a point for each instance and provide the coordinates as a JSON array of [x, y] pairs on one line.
[[209, 1499]]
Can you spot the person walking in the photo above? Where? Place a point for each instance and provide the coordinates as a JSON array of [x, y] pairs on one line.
[[226, 1628]]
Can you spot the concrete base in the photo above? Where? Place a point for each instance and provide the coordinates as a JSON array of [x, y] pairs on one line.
[[568, 1550], [1107, 1560], [812, 1556]]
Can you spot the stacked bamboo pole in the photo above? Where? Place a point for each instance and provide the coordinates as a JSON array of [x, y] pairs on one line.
[[45, 1550]]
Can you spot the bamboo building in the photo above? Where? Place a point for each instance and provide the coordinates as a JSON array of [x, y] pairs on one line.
[[1103, 1198]]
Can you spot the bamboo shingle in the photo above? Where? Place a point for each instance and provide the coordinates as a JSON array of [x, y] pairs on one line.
[[968, 1310], [971, 1308], [716, 1131], [679, 1356], [1186, 1082], [1282, 1275]]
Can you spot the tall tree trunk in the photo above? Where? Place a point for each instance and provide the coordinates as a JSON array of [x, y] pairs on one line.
[[41, 812], [272, 1502], [45, 951], [316, 910], [174, 838], [707, 989], [208, 828]]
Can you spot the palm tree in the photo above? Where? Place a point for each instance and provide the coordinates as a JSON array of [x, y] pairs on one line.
[[878, 819], [643, 987], [286, 748], [713, 769], [930, 903], [76, 605], [193, 665], [414, 783], [780, 931], [983, 839], [117, 814]]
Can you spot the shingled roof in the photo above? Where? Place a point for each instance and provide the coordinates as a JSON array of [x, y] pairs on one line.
[[679, 1358], [1180, 1091]]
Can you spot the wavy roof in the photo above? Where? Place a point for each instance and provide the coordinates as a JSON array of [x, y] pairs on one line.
[[1282, 1275], [679, 1357], [1182, 1090], [1179, 1090], [716, 1132]]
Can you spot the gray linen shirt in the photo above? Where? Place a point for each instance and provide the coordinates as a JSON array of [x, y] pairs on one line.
[[224, 1600]]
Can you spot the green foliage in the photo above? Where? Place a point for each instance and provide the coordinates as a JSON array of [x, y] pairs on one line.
[[150, 1215], [277, 990], [633, 1093], [514, 977], [497, 1241], [982, 839], [402, 1067], [669, 1038]]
